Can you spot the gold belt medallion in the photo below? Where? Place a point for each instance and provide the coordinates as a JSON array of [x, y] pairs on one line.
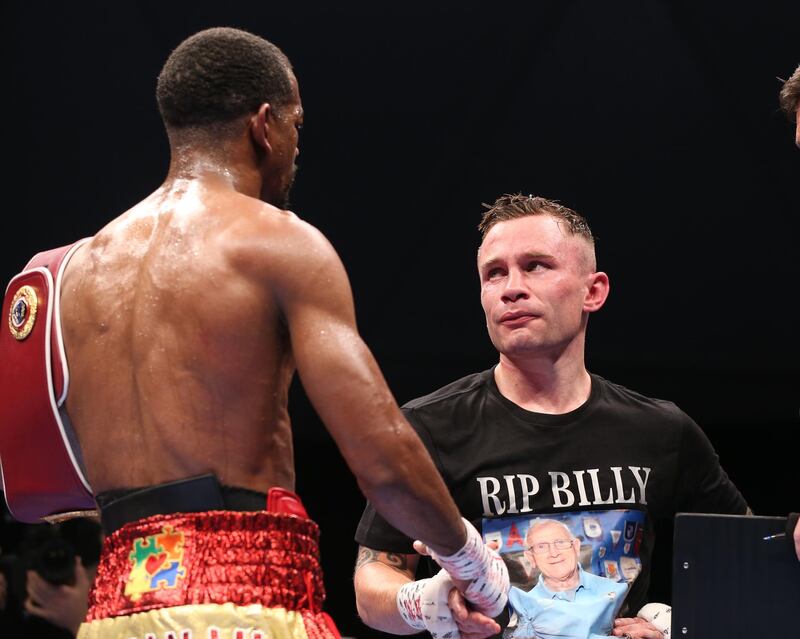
[[22, 314]]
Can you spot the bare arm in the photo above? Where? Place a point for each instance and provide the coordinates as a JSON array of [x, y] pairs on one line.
[[378, 577], [347, 389]]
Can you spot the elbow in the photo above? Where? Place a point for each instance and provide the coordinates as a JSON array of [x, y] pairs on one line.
[[365, 606], [376, 601], [363, 611], [390, 469], [362, 590], [375, 485]]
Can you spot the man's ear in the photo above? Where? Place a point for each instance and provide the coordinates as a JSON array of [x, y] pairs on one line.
[[259, 127], [596, 292]]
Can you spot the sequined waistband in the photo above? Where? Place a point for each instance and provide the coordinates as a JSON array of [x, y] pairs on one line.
[[215, 557]]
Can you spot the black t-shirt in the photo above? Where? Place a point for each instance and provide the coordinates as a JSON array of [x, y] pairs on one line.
[[606, 470]]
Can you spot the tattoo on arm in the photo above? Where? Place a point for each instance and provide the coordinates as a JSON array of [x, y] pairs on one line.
[[394, 560]]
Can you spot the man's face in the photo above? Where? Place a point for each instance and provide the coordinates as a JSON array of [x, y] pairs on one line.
[[534, 279], [284, 125], [553, 551]]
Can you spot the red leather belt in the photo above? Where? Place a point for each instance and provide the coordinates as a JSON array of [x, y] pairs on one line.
[[39, 457]]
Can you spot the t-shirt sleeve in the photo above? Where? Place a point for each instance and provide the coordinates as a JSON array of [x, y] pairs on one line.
[[373, 530], [703, 485]]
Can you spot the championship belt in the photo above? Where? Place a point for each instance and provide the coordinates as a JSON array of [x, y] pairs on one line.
[[39, 455]]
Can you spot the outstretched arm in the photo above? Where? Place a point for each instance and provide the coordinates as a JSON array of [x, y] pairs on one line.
[[347, 389], [380, 576]]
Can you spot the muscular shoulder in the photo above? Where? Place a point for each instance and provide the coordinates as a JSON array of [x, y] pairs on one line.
[[292, 259], [267, 239]]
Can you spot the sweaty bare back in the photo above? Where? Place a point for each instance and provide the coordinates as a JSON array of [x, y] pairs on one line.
[[179, 358], [183, 322]]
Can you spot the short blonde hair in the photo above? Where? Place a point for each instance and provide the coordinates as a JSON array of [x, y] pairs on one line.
[[511, 207]]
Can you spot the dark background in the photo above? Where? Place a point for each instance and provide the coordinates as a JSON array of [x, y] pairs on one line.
[[657, 120]]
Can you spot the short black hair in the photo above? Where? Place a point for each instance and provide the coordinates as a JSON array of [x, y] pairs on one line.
[[221, 74]]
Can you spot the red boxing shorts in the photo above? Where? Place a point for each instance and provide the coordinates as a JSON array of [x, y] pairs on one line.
[[212, 575]]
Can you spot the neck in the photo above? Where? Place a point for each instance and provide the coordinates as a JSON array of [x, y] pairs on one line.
[[543, 385], [220, 164], [570, 582]]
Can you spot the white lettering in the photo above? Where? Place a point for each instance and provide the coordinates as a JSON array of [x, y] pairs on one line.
[[642, 484], [554, 483], [512, 497], [587, 490], [621, 499], [487, 494], [581, 487], [530, 487], [598, 500]]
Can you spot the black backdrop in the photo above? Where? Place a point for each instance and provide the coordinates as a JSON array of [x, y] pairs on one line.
[[657, 120]]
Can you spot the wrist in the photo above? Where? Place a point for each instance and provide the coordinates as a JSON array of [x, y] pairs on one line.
[[409, 603], [465, 563], [424, 605], [483, 568]]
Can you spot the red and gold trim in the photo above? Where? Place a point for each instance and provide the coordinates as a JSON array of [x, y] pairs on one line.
[[220, 557]]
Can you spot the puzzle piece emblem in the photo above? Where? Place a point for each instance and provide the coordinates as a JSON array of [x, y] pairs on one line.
[[156, 563]]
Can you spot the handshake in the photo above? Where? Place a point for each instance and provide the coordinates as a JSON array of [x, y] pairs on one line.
[[463, 597]]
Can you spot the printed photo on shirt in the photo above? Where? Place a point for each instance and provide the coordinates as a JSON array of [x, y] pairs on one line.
[[570, 572]]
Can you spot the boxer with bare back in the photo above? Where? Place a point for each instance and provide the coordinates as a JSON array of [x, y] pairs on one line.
[[183, 322]]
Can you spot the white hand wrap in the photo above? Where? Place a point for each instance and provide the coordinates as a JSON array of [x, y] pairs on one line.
[[488, 592], [423, 605], [658, 614]]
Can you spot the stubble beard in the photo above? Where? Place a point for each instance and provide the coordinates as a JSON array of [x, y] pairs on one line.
[[287, 191], [281, 200]]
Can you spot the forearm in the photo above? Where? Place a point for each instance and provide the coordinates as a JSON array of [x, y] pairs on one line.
[[349, 393], [392, 466], [376, 587], [402, 484]]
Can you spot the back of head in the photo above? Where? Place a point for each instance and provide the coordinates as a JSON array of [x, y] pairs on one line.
[[790, 95], [219, 75]]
